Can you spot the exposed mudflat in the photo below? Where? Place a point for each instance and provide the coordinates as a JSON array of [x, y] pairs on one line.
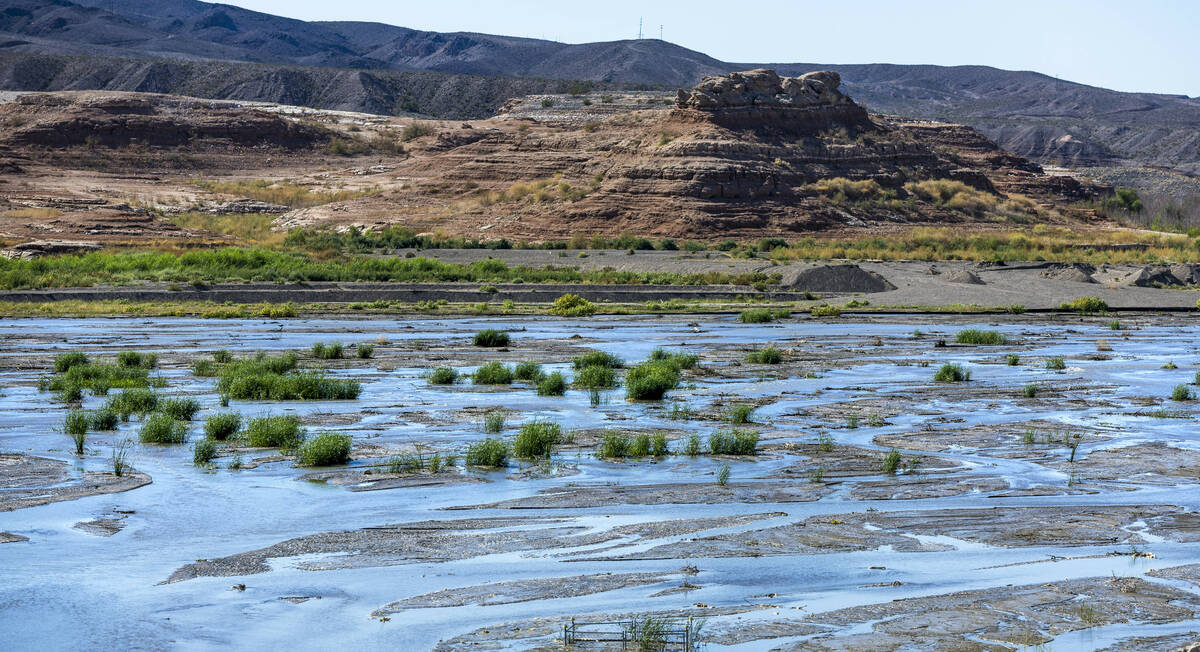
[[881, 511]]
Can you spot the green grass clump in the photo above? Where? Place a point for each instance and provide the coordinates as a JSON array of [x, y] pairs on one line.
[[1086, 305], [364, 351], [281, 431], [137, 360], [723, 475], [103, 419], [132, 401], [494, 421], [1012, 359], [493, 373], [527, 371], [756, 316], [536, 439], [222, 426], [891, 462], [1114, 325], [326, 449], [288, 387], [952, 373], [651, 380], [733, 442], [1182, 393], [260, 364], [489, 452], [825, 310], [1031, 390], [182, 409], [976, 336], [443, 376], [677, 359], [614, 446], [658, 445], [97, 377], [693, 447], [64, 361], [76, 423], [766, 355], [163, 429], [323, 351], [740, 413], [203, 452], [553, 385], [1056, 364], [572, 305], [597, 359], [491, 338], [596, 377]]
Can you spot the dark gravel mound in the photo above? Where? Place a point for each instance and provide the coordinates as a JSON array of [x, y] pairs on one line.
[[836, 279]]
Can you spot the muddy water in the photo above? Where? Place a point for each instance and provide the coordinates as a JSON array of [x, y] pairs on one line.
[[811, 547]]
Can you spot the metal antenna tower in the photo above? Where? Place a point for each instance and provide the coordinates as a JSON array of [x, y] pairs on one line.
[[640, 35], [660, 32]]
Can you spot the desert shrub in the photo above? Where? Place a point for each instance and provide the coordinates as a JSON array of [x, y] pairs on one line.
[[597, 358], [841, 189], [443, 376], [553, 385], [326, 449], [491, 338], [976, 336], [733, 442], [954, 195], [493, 373], [739, 413], [572, 305], [527, 371], [132, 401], [825, 310], [756, 316], [280, 431], [891, 462], [651, 380], [766, 355], [163, 429], [137, 360], [182, 409], [952, 373], [364, 351], [64, 361], [536, 439], [1056, 364], [222, 426], [489, 452], [416, 130], [1086, 305], [1182, 393], [596, 377], [614, 446], [323, 351]]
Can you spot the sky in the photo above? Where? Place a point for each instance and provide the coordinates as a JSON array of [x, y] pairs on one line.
[[1127, 45]]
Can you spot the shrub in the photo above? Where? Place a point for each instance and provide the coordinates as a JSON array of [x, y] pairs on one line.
[[739, 413], [658, 445], [326, 449], [203, 452], [841, 189], [103, 419], [1031, 390], [491, 338], [1056, 364], [323, 351], [693, 447], [489, 452], [596, 377], [825, 310], [494, 421], [536, 439], [572, 305], [443, 376], [163, 429], [597, 359], [733, 442], [650, 381], [364, 351], [288, 387], [553, 385], [527, 371], [493, 373], [640, 446], [976, 336], [1012, 359], [222, 426], [281, 431], [64, 361], [133, 359], [678, 360], [952, 373], [954, 195], [182, 409], [614, 446], [891, 462], [756, 316], [767, 355], [99, 378], [1182, 393], [1086, 305], [132, 401]]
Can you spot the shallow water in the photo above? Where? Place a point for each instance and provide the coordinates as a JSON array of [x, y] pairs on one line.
[[66, 589]]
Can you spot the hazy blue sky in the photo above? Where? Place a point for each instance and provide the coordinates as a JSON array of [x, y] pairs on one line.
[[1130, 45]]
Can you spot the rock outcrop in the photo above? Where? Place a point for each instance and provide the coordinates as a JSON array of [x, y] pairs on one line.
[[761, 98]]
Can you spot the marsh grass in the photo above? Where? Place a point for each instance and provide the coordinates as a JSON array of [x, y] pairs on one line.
[[825, 442], [527, 371], [364, 351], [766, 355], [1012, 359], [203, 452], [536, 440], [64, 361], [489, 453], [739, 414], [76, 425], [723, 475], [326, 449], [222, 426], [825, 310], [493, 422], [491, 338], [891, 462], [596, 377], [1086, 306], [553, 385], [614, 445], [952, 373], [493, 373], [304, 386], [182, 409], [443, 376], [1182, 393], [1056, 364], [323, 351], [733, 442], [981, 337], [103, 419], [1031, 390], [683, 411], [120, 458], [163, 429], [134, 359], [650, 381], [597, 358], [99, 378], [132, 401], [693, 446], [280, 431], [756, 316]]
